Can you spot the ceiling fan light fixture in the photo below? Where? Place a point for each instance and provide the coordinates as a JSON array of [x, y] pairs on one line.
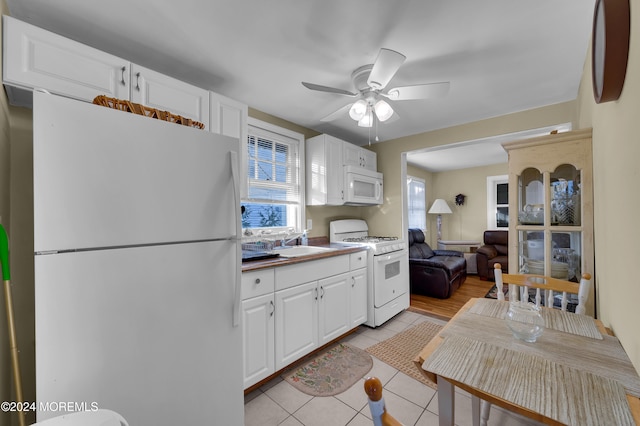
[[367, 120], [358, 110], [383, 110]]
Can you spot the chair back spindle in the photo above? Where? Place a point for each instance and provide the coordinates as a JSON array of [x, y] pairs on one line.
[[545, 288], [373, 389]]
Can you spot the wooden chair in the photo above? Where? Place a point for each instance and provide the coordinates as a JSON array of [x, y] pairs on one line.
[[373, 389], [519, 285]]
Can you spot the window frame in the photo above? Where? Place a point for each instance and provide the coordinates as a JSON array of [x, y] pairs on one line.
[[492, 202], [424, 185], [299, 140]]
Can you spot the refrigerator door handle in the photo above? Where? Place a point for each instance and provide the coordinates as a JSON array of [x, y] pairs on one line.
[[233, 157]]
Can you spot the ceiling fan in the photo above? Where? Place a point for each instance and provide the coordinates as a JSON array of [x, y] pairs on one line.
[[370, 82]]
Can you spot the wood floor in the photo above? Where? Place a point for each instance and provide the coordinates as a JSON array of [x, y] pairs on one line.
[[446, 308]]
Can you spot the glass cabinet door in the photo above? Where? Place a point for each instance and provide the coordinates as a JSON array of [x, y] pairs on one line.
[[565, 196], [549, 244], [531, 197]]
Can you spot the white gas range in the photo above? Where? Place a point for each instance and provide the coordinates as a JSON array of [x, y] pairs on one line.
[[388, 268]]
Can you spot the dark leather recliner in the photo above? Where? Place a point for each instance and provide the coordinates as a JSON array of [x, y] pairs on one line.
[[434, 273], [495, 250]]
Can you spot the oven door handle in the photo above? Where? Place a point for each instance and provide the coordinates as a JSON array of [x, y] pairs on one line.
[[391, 256]]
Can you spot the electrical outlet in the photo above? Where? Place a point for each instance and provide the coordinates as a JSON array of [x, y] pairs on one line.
[[309, 224]]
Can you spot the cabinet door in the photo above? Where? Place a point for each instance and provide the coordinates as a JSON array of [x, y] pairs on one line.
[[359, 157], [324, 169], [369, 159], [358, 297], [38, 59], [296, 323], [258, 338], [334, 307], [229, 117], [165, 93]]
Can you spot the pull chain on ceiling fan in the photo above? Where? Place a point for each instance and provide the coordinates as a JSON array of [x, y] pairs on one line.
[[370, 81]]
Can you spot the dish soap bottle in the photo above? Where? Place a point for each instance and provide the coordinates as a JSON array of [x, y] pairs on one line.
[[305, 240]]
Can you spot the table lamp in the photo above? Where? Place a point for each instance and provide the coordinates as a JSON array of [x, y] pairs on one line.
[[439, 207]]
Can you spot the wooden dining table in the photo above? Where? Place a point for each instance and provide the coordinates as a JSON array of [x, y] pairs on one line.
[[576, 373]]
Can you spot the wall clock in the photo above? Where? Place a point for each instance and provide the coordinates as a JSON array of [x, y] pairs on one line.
[[609, 49]]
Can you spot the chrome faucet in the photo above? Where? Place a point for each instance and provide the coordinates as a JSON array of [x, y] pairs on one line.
[[286, 241]]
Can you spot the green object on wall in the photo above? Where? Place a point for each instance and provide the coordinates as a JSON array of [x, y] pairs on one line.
[[4, 254]]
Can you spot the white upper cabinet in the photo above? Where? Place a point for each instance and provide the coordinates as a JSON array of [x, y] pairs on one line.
[[155, 90], [324, 169], [229, 118], [360, 157], [326, 158], [38, 59]]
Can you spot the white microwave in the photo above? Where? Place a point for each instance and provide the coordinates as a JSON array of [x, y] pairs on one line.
[[362, 187]]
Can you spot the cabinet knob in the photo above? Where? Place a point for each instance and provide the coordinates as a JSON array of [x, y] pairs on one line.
[[273, 308], [122, 76], [138, 81], [257, 280]]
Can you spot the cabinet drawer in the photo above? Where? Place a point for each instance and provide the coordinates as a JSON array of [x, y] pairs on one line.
[[257, 283], [292, 275], [358, 260]]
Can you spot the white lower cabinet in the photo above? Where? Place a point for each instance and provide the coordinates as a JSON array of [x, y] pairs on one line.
[[296, 323], [284, 319], [358, 297], [333, 305], [258, 326]]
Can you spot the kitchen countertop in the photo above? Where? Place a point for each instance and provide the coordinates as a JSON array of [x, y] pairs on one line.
[[254, 265]]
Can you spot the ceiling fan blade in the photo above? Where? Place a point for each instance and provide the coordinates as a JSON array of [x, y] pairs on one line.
[[384, 68], [419, 91], [328, 89], [337, 114]]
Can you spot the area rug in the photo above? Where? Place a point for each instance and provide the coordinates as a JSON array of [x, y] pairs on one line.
[[400, 350], [332, 372]]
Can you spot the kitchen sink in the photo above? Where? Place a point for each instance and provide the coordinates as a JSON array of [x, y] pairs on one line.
[[297, 251]]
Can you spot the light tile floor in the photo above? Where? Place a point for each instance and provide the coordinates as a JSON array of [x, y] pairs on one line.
[[408, 400]]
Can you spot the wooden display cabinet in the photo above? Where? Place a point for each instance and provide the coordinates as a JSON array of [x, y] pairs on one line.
[[551, 197]]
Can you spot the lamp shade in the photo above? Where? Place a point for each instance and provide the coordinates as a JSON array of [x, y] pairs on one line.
[[367, 120], [383, 110], [358, 110], [440, 206]]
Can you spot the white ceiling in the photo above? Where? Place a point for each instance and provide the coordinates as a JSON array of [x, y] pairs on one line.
[[501, 56]]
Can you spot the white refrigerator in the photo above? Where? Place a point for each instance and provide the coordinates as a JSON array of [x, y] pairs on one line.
[[137, 267]]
